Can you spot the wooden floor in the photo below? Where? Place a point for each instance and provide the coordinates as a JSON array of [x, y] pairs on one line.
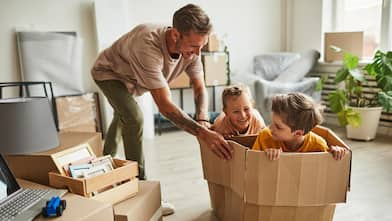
[[174, 159]]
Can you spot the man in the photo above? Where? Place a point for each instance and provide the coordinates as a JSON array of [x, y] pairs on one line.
[[147, 59]]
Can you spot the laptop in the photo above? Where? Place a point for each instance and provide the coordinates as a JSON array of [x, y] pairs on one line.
[[19, 204]]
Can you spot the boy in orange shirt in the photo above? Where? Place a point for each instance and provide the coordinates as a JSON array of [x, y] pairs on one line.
[[238, 116], [294, 115]]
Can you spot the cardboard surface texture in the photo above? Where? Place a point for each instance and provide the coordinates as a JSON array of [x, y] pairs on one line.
[[348, 41], [78, 208], [79, 113], [182, 81], [298, 186], [145, 206], [215, 68], [36, 166], [213, 43]]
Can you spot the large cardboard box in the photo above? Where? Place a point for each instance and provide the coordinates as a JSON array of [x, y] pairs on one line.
[[36, 166], [348, 41], [182, 81], [145, 206], [215, 68], [78, 208], [298, 186]]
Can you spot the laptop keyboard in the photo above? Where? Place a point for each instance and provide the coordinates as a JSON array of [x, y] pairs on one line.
[[21, 202]]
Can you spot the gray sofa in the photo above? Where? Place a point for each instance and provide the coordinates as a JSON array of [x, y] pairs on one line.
[[276, 73]]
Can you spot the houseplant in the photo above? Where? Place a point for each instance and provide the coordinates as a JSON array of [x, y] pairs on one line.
[[356, 109]]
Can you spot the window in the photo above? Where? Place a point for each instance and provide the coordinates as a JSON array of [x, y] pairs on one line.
[[370, 16]]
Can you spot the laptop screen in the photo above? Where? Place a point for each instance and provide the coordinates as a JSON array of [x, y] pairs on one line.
[[8, 184]]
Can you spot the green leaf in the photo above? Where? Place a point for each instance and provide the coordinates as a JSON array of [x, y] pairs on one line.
[[341, 75], [350, 61], [342, 118], [320, 83], [353, 118], [337, 101], [349, 116], [385, 100], [369, 68], [384, 83]]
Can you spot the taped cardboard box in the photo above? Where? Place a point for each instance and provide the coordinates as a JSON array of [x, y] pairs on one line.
[[298, 186], [36, 166], [145, 206], [79, 113]]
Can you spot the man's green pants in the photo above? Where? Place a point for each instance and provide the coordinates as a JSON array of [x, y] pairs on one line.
[[127, 122]]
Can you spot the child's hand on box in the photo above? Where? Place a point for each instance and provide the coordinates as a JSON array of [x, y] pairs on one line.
[[337, 152], [273, 153]]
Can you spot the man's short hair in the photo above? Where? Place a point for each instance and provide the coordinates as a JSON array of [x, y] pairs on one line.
[[298, 111], [191, 18]]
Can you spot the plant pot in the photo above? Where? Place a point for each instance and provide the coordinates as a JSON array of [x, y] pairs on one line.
[[370, 116]]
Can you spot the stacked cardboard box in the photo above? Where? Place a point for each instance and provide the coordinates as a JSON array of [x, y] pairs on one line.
[[36, 166], [298, 186], [215, 68], [213, 43]]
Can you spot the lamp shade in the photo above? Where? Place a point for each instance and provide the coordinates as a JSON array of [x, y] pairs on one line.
[[26, 126]]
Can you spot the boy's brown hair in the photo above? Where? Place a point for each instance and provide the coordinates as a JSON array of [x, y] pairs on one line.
[[235, 91], [191, 18], [298, 111]]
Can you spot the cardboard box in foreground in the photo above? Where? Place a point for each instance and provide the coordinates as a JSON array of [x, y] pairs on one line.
[[298, 186], [145, 206], [78, 208], [36, 166]]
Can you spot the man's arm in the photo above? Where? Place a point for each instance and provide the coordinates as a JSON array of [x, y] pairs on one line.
[[201, 99], [217, 144]]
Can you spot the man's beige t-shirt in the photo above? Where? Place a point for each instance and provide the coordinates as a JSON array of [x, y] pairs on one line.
[[141, 60]]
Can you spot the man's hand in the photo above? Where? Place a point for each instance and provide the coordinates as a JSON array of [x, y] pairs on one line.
[[273, 153], [217, 144], [338, 153], [205, 123]]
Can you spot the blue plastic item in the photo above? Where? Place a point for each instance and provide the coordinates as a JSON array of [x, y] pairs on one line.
[[54, 207]]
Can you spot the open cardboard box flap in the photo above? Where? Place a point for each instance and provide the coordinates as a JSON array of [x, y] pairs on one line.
[[296, 179]]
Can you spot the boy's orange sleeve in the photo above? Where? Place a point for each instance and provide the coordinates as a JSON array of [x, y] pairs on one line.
[[257, 143]]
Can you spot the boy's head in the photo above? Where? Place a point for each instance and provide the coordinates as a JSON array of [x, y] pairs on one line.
[[238, 105], [294, 114]]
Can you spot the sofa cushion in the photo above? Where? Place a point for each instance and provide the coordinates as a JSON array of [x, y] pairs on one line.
[[297, 71]]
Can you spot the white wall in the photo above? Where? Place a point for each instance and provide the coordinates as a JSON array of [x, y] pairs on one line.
[[304, 29], [252, 26], [47, 15]]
